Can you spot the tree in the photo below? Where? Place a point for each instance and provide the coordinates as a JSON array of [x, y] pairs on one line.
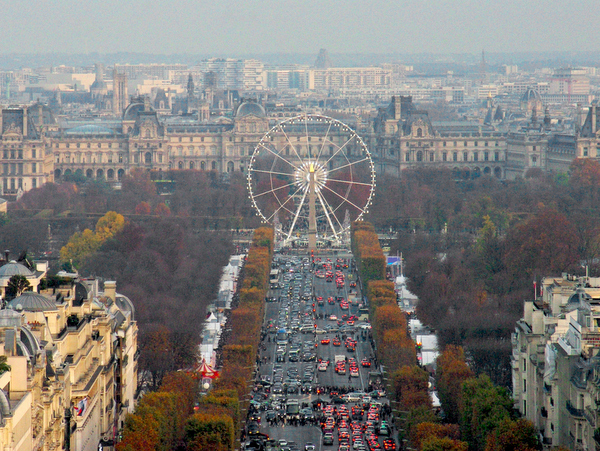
[[143, 208], [519, 435], [411, 387], [162, 210], [17, 284], [443, 444], [80, 246], [546, 244], [426, 431], [109, 225], [4, 366], [484, 407], [452, 372]]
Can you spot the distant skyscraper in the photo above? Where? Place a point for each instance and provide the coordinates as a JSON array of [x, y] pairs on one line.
[[323, 61], [482, 68]]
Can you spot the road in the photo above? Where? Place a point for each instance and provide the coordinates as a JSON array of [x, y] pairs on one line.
[[300, 288]]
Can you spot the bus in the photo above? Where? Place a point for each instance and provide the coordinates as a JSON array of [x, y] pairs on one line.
[[282, 337], [363, 314], [292, 408], [274, 276]]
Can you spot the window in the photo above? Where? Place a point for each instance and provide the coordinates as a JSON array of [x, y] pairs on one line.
[[444, 144], [5, 154], [33, 153], [120, 158], [407, 158], [486, 156], [148, 158], [466, 144], [465, 156], [475, 143], [524, 385], [78, 145], [455, 156], [475, 156], [535, 147], [33, 168], [496, 156], [419, 156], [5, 168], [485, 144], [419, 133], [34, 183], [431, 158], [455, 143], [444, 156]]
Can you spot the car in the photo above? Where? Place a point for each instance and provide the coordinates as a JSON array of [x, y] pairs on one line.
[[389, 444], [333, 318], [328, 439], [325, 341], [365, 363], [308, 446], [337, 342], [322, 366]]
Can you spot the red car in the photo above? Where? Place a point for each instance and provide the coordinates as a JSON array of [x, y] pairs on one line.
[[389, 444], [325, 341], [365, 363]]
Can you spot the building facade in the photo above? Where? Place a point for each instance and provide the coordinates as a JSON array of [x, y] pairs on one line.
[[72, 350], [37, 149], [556, 365]]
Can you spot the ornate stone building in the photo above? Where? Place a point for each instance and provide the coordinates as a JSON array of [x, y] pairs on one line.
[[36, 149], [72, 350], [404, 137]]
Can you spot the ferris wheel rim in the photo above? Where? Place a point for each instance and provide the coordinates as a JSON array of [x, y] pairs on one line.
[[264, 145]]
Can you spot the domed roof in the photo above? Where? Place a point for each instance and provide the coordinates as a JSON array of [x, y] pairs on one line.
[[531, 94], [13, 268], [250, 107], [32, 302]]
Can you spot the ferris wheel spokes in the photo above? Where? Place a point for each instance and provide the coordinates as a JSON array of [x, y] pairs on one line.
[[320, 196], [291, 145], [297, 214]]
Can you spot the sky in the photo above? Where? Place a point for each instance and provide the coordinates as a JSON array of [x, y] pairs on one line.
[[237, 27]]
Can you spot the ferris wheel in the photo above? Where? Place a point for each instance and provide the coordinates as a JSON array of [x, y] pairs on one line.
[[311, 175]]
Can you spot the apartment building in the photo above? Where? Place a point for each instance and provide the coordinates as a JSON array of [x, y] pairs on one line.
[[556, 365], [72, 350]]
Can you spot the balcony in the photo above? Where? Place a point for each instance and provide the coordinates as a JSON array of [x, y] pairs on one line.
[[577, 413]]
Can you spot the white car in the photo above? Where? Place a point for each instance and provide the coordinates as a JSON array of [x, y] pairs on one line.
[[333, 318], [322, 366]]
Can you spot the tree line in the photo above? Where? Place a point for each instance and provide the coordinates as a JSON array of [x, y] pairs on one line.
[[475, 248], [478, 415]]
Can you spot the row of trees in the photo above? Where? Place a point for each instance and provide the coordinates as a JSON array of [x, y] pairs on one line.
[[172, 418], [474, 248], [190, 194], [389, 324], [246, 319], [479, 415], [212, 422], [482, 411]]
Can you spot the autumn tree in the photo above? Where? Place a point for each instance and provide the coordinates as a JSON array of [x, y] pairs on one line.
[[109, 225], [411, 387], [545, 245], [80, 247], [143, 208], [162, 210], [452, 372], [519, 435], [424, 432]]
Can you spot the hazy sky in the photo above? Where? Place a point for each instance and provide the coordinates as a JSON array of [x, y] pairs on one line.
[[300, 26]]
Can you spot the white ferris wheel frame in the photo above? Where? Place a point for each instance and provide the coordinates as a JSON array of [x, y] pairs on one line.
[[302, 168]]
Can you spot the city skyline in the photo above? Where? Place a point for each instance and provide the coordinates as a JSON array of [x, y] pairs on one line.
[[264, 26]]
